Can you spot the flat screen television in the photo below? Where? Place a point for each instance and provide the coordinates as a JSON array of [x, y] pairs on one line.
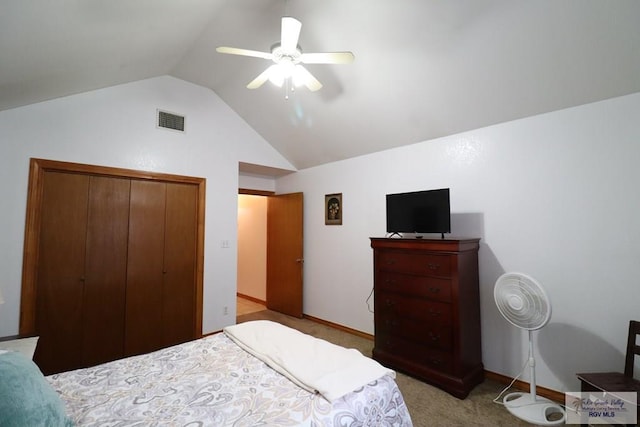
[[419, 212]]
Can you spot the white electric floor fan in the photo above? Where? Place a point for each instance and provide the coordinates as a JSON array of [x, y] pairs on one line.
[[525, 304]]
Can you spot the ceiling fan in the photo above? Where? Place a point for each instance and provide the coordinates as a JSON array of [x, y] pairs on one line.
[[288, 58]]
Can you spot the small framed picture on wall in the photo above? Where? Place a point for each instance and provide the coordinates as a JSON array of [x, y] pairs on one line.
[[333, 209]]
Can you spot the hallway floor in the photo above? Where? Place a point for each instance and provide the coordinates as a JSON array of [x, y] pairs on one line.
[[245, 306]]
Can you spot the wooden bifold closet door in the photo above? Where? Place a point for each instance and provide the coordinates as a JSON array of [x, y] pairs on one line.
[[113, 264], [81, 270], [162, 243], [105, 270]]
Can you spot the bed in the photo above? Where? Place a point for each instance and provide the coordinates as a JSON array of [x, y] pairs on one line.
[[256, 373]]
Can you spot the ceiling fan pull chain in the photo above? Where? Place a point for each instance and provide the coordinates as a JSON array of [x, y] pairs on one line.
[[288, 87]]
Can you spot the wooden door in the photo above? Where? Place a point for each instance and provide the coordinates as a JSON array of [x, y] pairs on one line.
[[105, 270], [161, 274], [179, 286], [145, 267], [60, 271], [76, 243], [285, 253], [82, 270]]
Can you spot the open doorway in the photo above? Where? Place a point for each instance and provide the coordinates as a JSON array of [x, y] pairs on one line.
[[252, 253], [280, 253]]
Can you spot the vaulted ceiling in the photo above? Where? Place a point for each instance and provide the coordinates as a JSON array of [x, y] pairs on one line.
[[423, 68]]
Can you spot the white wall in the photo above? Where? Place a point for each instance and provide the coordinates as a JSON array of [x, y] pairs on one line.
[[256, 182], [555, 196], [116, 127]]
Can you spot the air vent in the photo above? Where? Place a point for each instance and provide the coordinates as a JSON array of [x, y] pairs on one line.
[[170, 121]]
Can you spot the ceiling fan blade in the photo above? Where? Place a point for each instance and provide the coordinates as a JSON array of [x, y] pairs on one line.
[[244, 52], [259, 81], [327, 58], [290, 33], [302, 76]]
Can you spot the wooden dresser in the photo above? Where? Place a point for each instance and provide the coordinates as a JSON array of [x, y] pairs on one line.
[[427, 310]]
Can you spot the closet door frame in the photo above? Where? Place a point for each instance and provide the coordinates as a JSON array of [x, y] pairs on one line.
[[37, 170]]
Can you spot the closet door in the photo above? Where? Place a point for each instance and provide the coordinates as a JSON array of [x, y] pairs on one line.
[[113, 262], [106, 270], [161, 274], [60, 271], [82, 270], [179, 287], [145, 267]]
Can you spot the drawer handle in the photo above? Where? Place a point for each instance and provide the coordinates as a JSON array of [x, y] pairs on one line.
[[390, 281], [390, 303], [434, 290], [435, 313], [390, 261], [435, 361], [433, 266], [392, 322], [434, 337]]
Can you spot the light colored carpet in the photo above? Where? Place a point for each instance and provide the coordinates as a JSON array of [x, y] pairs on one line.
[[428, 405]]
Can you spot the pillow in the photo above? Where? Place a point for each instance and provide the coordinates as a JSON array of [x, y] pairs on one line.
[[26, 346], [26, 398]]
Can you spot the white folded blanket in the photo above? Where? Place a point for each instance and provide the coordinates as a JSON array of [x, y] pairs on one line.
[[314, 364]]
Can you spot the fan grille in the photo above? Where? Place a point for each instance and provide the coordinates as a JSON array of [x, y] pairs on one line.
[[522, 301]]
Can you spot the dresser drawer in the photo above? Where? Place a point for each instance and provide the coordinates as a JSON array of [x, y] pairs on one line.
[[392, 305], [413, 352], [420, 286], [429, 264], [432, 335]]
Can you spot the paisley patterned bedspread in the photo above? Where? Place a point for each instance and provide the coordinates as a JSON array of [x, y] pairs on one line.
[[213, 382]]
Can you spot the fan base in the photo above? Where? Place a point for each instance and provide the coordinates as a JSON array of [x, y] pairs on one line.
[[534, 409]]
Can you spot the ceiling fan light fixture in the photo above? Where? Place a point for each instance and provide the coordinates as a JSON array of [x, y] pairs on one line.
[[286, 67], [276, 75], [300, 77], [282, 71], [287, 57]]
